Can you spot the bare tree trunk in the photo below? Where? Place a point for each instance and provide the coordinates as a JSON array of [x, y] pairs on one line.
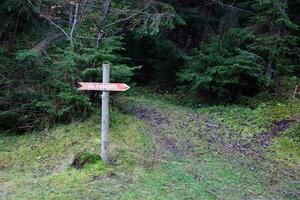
[[106, 6]]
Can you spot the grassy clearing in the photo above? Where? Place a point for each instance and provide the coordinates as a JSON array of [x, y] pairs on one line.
[[166, 156], [205, 178], [37, 166]]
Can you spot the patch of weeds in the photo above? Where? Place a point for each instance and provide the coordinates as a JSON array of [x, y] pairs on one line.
[[241, 119], [250, 122], [277, 111], [99, 167], [285, 148]]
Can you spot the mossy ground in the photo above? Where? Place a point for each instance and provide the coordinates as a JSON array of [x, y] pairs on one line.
[[166, 152]]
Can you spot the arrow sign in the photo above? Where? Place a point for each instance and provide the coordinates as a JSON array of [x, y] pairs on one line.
[[118, 87]]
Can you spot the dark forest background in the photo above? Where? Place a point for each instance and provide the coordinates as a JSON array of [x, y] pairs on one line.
[[201, 50]]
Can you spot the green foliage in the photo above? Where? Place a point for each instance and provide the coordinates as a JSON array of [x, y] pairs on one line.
[[106, 52], [244, 60], [287, 86], [39, 83], [239, 50], [270, 37], [223, 70], [39, 95], [45, 92], [164, 17]]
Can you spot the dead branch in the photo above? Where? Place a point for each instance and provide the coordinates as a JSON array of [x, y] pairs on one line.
[[48, 19], [41, 47], [231, 6], [74, 21], [127, 18]]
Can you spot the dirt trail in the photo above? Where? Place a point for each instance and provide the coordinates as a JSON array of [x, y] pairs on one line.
[[205, 129], [180, 133]]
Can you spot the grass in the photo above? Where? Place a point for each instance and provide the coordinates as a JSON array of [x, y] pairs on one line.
[[209, 178], [252, 121], [37, 166], [247, 122], [286, 148], [149, 162]]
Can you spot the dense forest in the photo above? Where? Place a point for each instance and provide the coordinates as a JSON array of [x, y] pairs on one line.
[[207, 50], [213, 109]]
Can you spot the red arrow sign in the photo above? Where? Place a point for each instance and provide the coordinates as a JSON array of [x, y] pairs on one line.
[[119, 87]]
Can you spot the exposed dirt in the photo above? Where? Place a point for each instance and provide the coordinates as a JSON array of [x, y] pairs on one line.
[[261, 141], [156, 119], [153, 117], [170, 145], [212, 132], [282, 126]]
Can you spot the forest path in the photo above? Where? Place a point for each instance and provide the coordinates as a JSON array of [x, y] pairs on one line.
[[191, 150]]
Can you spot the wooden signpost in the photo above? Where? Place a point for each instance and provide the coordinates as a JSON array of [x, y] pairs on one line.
[[105, 87]]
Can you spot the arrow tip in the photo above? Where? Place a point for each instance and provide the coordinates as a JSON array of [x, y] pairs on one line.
[[80, 86]]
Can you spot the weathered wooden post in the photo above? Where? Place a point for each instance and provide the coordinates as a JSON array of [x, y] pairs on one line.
[[105, 87], [105, 115]]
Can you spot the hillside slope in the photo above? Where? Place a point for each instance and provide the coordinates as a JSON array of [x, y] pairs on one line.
[[159, 150]]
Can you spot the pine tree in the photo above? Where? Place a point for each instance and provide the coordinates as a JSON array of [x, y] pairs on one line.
[[269, 36], [244, 60]]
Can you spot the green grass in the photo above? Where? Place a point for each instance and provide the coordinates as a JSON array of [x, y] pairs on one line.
[[286, 148], [37, 165], [209, 178], [250, 122], [261, 120]]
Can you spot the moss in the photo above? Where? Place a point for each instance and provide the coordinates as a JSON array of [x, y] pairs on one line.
[[88, 160]]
